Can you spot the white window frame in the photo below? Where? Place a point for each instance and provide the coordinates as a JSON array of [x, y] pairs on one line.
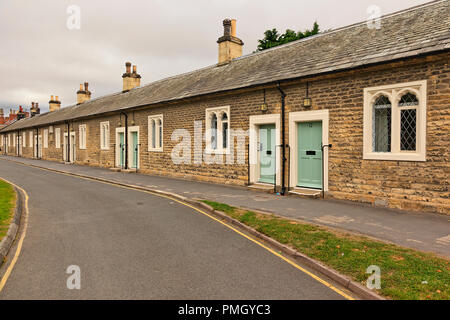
[[14, 140], [24, 139], [31, 139], [395, 93], [208, 134], [82, 136], [158, 147], [45, 139], [57, 138], [104, 135], [1, 141]]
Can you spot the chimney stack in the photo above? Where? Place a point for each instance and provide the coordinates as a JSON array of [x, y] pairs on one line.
[[83, 94], [230, 47], [54, 104], [130, 80], [34, 109], [21, 114]]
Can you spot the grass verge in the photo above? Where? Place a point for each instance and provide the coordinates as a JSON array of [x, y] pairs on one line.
[[406, 274], [7, 205]]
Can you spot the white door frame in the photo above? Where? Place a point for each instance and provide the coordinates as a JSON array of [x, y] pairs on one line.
[[255, 122], [72, 155], [130, 145], [307, 116]]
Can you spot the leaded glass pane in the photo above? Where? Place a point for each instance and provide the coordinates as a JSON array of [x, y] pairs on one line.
[[407, 100], [382, 125], [408, 129], [214, 132]]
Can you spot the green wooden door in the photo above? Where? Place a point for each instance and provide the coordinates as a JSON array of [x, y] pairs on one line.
[[135, 147], [121, 149], [309, 139], [267, 153]]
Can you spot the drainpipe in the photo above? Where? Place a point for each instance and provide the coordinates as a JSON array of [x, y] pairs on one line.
[[37, 143], [126, 139], [283, 140], [68, 143]]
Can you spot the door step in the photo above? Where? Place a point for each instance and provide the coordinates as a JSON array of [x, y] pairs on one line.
[[305, 192], [129, 170], [115, 169], [261, 187]]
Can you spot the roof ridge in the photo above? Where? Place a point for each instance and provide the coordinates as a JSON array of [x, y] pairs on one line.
[[331, 31]]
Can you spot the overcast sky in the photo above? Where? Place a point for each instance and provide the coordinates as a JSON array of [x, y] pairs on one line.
[[40, 56]]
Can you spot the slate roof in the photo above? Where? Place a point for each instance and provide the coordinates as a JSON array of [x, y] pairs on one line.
[[418, 30]]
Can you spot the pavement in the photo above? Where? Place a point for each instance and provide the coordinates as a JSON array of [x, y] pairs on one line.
[[130, 244], [418, 230]]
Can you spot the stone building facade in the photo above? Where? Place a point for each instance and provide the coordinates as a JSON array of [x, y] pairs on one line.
[[375, 129]]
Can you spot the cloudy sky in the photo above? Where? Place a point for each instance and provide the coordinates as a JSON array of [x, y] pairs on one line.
[[40, 56]]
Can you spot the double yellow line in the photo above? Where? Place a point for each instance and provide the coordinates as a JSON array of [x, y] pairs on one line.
[[19, 247]]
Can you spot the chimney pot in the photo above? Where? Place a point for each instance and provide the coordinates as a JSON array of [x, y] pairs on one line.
[[51, 98], [128, 67], [86, 85], [134, 69], [56, 98], [81, 87], [227, 27], [233, 27]]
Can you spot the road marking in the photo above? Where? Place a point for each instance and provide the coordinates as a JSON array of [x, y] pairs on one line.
[[22, 237], [315, 277]]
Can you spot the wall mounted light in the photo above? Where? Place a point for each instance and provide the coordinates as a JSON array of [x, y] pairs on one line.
[[264, 107], [307, 102]]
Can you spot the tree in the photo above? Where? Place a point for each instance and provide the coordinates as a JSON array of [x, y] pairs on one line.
[[272, 38]]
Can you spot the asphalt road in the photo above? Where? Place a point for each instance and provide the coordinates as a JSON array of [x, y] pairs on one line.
[[133, 245]]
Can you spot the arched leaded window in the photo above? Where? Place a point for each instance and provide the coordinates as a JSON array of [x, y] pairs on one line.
[[153, 125], [214, 131], [382, 113], [155, 133], [408, 105], [224, 130]]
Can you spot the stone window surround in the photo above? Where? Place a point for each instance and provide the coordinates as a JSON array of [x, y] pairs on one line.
[[31, 139], [218, 111], [57, 138], [255, 122], [307, 116], [24, 139], [394, 93], [157, 148], [45, 138], [82, 136], [105, 129]]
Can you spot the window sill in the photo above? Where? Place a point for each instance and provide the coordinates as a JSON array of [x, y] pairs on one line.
[[218, 151], [155, 150], [104, 149], [395, 156]]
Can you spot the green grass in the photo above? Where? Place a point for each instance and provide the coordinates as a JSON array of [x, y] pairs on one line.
[[7, 204], [406, 274]]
